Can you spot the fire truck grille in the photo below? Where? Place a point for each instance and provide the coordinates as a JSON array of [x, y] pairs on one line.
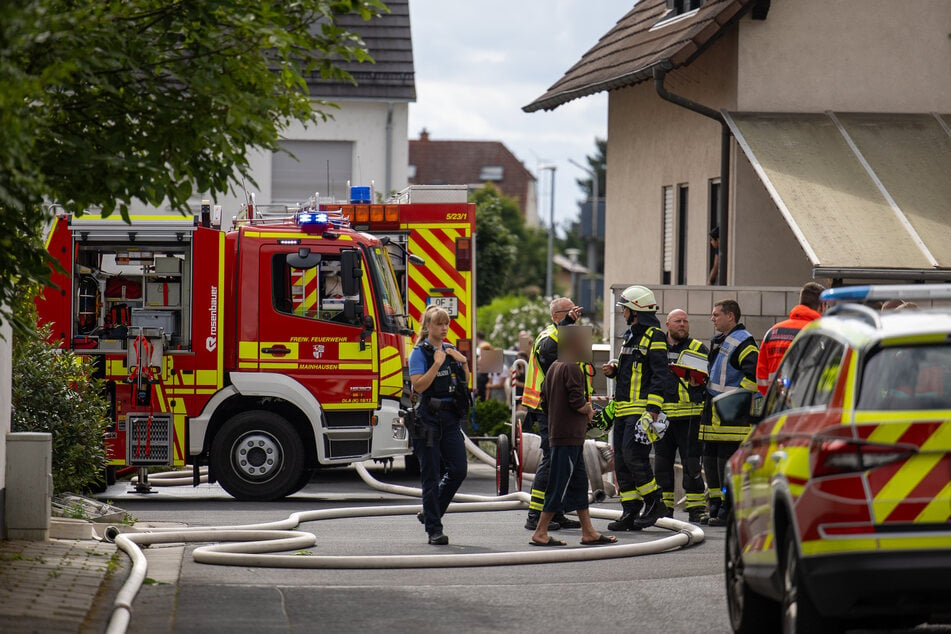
[[149, 439]]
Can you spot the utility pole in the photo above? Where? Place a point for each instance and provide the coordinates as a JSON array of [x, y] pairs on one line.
[[549, 272]]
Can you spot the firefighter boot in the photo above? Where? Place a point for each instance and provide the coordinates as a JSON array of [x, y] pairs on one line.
[[654, 509], [532, 522], [696, 515], [630, 512], [713, 509]]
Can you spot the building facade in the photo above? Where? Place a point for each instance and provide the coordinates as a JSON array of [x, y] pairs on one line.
[[814, 190]]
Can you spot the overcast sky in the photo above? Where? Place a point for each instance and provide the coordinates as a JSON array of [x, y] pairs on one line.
[[478, 63]]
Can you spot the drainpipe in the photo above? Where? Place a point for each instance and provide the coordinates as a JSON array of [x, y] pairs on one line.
[[723, 219], [388, 182]]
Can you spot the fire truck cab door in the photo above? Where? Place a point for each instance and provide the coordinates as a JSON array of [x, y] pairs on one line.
[[310, 331]]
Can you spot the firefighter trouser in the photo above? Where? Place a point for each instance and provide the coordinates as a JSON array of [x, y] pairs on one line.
[[540, 483], [442, 464], [715, 457], [681, 437], [632, 464]]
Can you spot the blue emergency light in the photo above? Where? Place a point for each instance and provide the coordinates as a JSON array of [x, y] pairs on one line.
[[313, 221], [906, 292], [360, 195]]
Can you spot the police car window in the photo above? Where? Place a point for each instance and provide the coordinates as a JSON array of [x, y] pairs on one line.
[[828, 376], [776, 395], [314, 293], [907, 378]]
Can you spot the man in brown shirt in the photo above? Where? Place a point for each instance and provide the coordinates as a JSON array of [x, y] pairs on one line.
[[569, 412]]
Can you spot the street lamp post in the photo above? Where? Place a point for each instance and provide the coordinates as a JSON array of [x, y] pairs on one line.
[[549, 272], [592, 240]]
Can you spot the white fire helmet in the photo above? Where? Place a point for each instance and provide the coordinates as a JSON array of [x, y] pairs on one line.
[[639, 299]]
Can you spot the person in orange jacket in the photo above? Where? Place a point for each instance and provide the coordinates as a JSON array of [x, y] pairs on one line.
[[779, 337]]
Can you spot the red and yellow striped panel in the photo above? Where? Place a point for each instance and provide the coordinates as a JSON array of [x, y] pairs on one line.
[[304, 289], [437, 244]]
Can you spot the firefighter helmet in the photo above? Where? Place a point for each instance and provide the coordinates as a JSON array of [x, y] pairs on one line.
[[639, 299]]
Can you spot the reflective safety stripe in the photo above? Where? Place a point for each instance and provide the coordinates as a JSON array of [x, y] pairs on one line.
[[714, 494], [532, 394], [647, 489], [538, 500], [628, 408], [715, 432], [684, 406], [723, 375], [669, 499], [630, 496], [695, 500]]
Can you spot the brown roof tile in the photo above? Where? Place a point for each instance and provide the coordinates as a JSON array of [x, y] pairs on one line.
[[626, 54]]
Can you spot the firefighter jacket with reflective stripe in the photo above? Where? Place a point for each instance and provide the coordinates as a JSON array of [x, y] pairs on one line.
[[732, 365], [642, 368], [777, 341], [544, 353], [680, 398]]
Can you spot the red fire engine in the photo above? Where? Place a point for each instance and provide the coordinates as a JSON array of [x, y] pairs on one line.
[[264, 351]]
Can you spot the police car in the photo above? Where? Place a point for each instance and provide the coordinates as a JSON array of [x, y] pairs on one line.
[[842, 492]]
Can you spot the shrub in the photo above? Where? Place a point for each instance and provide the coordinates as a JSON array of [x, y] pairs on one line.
[[54, 391], [491, 417]]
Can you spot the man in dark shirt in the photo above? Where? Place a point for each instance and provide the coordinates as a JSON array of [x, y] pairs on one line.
[[566, 402]]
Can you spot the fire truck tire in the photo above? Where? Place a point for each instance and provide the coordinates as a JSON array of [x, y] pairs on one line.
[[800, 615], [258, 456], [503, 464], [750, 613]]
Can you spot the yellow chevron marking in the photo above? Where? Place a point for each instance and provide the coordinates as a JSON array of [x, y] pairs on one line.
[[939, 509], [888, 433], [940, 440], [899, 488]]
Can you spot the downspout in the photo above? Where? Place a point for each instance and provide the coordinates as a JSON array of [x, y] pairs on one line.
[[388, 182], [723, 219]]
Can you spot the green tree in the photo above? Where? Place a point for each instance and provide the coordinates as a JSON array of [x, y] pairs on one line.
[[495, 248], [108, 102]]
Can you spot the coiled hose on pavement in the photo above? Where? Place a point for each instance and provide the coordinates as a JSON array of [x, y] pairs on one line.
[[255, 544]]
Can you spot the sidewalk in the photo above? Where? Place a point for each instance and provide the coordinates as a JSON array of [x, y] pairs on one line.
[[59, 585]]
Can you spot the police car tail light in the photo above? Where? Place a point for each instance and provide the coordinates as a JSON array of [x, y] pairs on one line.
[[835, 456]]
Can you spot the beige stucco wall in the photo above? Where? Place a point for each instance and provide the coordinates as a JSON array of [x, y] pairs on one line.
[[653, 143], [847, 55]]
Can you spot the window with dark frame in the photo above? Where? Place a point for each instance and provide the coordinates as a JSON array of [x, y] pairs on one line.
[[667, 235], [682, 192]]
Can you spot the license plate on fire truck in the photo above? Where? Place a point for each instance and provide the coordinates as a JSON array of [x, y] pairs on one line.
[[449, 304]]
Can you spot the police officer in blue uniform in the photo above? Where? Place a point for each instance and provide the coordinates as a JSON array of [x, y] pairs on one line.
[[440, 375]]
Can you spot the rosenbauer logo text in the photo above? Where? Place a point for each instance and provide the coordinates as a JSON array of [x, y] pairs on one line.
[[212, 341]]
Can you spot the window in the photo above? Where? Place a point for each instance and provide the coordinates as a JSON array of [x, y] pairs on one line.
[[393, 314], [829, 375], [907, 378], [677, 9], [714, 220], [314, 293], [667, 236], [411, 172], [491, 173], [797, 375], [682, 234], [306, 167]]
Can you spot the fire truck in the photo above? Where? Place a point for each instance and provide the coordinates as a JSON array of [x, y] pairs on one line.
[[262, 351]]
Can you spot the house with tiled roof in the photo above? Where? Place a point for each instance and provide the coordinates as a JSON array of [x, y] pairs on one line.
[[814, 134], [365, 140], [474, 163]]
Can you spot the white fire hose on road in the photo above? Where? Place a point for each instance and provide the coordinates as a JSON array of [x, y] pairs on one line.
[[254, 544]]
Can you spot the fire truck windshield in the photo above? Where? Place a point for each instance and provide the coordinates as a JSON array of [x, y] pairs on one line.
[[393, 314]]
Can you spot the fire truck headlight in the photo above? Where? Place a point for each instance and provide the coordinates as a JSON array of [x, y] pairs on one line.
[[399, 429]]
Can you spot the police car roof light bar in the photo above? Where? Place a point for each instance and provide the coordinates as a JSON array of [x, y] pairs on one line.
[[880, 292]]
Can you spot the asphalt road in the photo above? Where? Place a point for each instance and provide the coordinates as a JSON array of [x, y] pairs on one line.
[[673, 592]]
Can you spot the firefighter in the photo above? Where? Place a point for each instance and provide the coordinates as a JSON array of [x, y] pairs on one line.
[[780, 337], [640, 373], [683, 404], [544, 353], [733, 358], [440, 374]]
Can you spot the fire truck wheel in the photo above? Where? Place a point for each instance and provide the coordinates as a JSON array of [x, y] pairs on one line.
[[258, 456], [750, 613]]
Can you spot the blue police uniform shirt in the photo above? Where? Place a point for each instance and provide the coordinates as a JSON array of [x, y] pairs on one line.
[[417, 360]]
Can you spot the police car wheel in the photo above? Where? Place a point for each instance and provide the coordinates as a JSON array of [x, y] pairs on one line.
[[749, 612], [503, 464], [800, 615], [258, 456]]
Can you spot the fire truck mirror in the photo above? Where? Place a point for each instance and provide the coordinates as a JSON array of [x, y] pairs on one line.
[[351, 270], [353, 311], [303, 260]]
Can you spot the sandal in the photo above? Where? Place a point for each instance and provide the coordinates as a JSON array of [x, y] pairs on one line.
[[600, 541], [551, 542]]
